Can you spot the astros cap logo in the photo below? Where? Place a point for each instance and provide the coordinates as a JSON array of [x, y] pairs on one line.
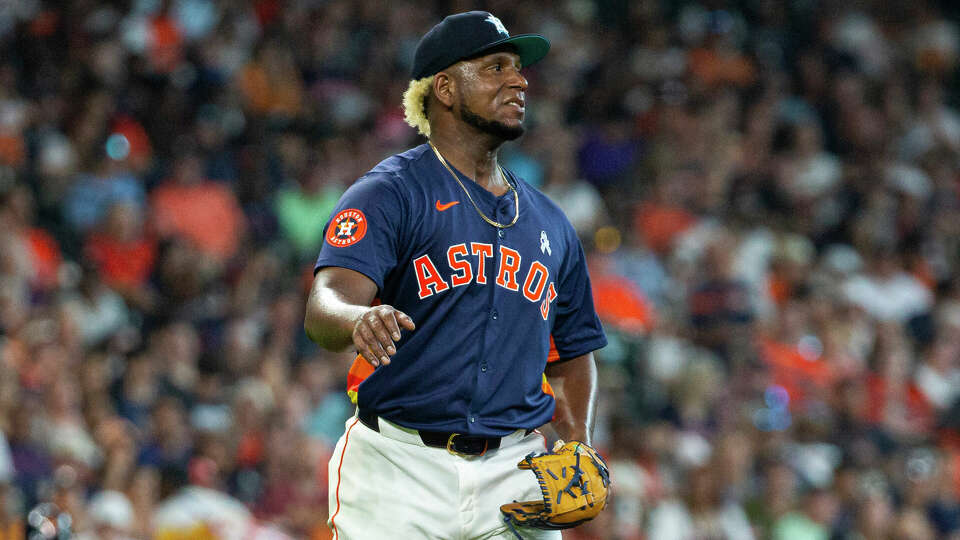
[[347, 228], [498, 25]]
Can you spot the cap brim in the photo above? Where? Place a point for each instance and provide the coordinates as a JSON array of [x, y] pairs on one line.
[[530, 47]]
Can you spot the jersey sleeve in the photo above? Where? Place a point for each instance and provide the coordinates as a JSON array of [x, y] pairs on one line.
[[576, 329], [363, 231]]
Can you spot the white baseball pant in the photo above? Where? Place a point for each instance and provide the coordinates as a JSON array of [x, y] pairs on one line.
[[389, 485]]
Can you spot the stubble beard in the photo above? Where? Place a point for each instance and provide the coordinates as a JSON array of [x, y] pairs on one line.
[[491, 127]]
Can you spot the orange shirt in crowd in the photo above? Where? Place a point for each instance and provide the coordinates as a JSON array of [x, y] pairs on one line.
[[917, 409], [621, 304], [45, 253], [779, 288], [13, 149], [122, 264], [715, 69], [659, 225], [165, 44], [206, 214], [265, 96], [796, 373]]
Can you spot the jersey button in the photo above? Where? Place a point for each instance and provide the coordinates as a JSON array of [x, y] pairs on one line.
[[495, 315], [500, 233], [473, 418], [483, 369]]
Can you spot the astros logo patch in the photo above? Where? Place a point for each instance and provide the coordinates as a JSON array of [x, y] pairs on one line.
[[347, 228]]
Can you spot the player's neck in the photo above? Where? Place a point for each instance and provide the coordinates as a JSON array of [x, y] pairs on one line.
[[475, 157]]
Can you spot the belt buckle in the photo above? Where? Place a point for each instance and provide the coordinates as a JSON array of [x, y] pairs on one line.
[[454, 451]]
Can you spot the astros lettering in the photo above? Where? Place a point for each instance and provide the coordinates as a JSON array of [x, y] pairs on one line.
[[460, 262]]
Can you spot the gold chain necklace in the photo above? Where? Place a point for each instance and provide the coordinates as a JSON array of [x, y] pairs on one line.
[[516, 198]]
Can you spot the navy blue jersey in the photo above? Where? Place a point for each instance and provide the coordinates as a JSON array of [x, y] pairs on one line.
[[486, 302]]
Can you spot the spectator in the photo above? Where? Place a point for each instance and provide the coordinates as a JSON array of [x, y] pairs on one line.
[[776, 499], [98, 311], [271, 83], [91, 195], [201, 211], [33, 250], [124, 254], [303, 209], [579, 200], [720, 309], [885, 291], [814, 523], [111, 517], [702, 514]]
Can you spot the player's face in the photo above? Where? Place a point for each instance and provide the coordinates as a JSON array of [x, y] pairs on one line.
[[491, 94]]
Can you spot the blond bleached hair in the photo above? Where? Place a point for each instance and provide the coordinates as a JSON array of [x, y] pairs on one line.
[[415, 104]]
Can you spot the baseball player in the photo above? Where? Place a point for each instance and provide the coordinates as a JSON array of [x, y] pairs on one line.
[[457, 283]]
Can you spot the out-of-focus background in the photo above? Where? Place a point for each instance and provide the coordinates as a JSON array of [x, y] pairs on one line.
[[769, 193]]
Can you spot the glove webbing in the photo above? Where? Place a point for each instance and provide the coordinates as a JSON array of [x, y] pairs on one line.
[[576, 481]]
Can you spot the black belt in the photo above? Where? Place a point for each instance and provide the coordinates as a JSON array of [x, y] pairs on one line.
[[455, 443]]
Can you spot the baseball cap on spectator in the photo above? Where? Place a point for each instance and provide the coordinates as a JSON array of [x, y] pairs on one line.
[[469, 34]]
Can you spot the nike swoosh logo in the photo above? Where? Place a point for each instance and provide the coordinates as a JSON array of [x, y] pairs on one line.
[[446, 206]]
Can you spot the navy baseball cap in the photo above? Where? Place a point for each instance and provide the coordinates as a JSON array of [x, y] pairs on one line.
[[469, 34]]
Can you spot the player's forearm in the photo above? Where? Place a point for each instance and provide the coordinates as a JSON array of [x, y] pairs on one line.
[[575, 386], [329, 319], [338, 298], [340, 314]]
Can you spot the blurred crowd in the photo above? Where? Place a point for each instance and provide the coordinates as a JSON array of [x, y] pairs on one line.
[[768, 192]]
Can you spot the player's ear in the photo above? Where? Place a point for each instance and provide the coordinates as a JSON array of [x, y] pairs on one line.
[[444, 88]]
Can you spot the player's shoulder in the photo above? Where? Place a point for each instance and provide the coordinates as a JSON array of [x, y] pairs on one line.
[[402, 167], [394, 175]]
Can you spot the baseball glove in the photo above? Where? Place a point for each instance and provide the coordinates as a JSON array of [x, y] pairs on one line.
[[574, 481]]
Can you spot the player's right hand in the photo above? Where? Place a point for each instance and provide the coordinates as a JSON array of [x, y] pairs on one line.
[[376, 330]]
